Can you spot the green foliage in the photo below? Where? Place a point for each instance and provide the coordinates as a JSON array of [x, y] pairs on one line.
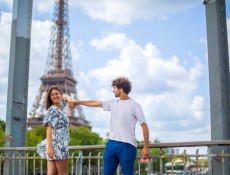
[[2, 133], [2, 125], [83, 136], [2, 138], [35, 136], [78, 136], [203, 162]]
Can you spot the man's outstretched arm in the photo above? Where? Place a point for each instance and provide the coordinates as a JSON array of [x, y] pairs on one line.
[[90, 103]]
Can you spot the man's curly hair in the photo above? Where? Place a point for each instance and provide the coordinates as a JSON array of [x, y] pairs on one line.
[[124, 83]]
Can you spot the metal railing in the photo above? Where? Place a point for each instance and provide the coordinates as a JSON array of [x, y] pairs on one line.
[[26, 161]]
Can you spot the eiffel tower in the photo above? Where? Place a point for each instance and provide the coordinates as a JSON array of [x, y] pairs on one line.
[[58, 70]]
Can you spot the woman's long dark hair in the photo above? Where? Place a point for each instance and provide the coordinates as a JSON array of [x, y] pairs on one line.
[[49, 102]]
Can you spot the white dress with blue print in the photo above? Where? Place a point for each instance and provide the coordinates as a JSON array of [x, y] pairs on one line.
[[59, 122]]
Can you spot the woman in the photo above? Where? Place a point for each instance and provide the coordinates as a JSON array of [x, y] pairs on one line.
[[55, 147]]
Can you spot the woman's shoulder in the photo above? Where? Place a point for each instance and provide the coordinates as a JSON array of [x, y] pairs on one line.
[[52, 109]]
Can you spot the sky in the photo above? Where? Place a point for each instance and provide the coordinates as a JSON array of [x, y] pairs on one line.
[[161, 46]]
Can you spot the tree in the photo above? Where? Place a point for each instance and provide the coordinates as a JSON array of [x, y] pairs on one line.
[[35, 136], [2, 133], [2, 125], [84, 136], [2, 138], [78, 136]]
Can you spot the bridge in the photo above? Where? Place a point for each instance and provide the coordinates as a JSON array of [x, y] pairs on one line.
[[218, 72]]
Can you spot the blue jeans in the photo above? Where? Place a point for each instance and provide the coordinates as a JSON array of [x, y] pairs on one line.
[[119, 152]]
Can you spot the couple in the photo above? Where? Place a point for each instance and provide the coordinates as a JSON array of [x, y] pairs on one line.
[[121, 146]]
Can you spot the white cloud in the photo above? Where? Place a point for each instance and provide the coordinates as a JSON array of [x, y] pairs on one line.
[[7, 2], [197, 107], [164, 86], [43, 5], [40, 36], [124, 12], [5, 28]]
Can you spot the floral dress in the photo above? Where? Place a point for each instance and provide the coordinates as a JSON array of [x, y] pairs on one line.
[[59, 122]]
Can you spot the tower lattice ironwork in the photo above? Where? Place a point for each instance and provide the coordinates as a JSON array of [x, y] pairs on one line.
[[58, 70]]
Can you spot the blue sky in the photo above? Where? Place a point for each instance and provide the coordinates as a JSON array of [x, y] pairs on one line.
[[160, 45]]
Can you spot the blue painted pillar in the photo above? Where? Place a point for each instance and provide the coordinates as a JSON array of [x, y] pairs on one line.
[[16, 114], [219, 82]]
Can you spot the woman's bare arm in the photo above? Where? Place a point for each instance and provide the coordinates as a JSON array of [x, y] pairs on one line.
[[49, 141]]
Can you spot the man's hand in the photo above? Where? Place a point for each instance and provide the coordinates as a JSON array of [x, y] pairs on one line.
[[145, 153], [76, 102]]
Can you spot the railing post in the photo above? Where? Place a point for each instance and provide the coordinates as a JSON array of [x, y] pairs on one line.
[[161, 162], [222, 159], [1, 165], [139, 168], [72, 163], [98, 163], [185, 160], [197, 154], [89, 164], [13, 164], [149, 164], [20, 163], [172, 161], [41, 166], [209, 161], [79, 164], [6, 161], [27, 164], [34, 173]]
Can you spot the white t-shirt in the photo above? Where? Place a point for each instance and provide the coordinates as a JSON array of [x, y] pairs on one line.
[[124, 116]]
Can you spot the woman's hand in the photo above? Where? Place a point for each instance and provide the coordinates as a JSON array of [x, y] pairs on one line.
[[67, 97], [72, 104], [50, 152]]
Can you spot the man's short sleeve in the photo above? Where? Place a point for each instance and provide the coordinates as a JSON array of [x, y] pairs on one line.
[[139, 114], [106, 105]]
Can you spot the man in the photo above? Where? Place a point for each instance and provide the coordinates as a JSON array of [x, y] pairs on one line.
[[125, 113]]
